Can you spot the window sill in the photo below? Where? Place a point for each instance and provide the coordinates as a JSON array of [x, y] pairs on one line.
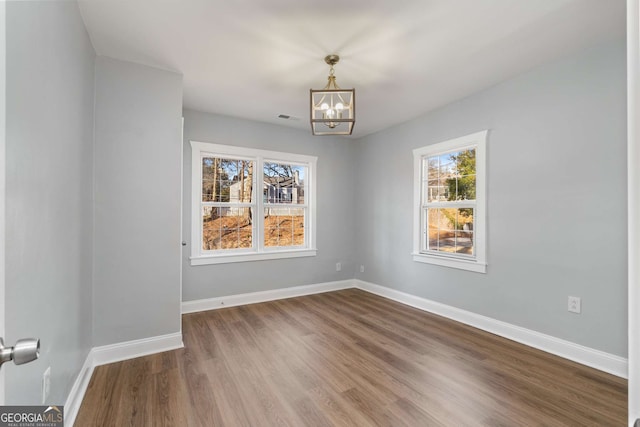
[[462, 264], [252, 256]]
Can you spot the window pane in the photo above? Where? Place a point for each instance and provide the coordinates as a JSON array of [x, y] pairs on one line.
[[433, 234], [283, 227], [226, 228], [465, 187], [464, 242], [226, 180], [465, 175], [283, 183], [450, 230], [447, 165], [431, 190], [435, 187], [209, 178], [432, 165]]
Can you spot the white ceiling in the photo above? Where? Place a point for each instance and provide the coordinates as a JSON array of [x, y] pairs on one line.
[[257, 59]]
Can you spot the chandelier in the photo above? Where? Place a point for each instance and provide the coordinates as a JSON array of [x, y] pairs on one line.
[[332, 108]]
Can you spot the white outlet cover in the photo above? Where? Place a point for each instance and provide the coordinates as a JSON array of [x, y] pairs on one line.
[[574, 304], [338, 266]]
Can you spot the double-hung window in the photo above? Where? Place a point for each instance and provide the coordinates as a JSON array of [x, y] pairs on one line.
[[251, 204], [450, 203]]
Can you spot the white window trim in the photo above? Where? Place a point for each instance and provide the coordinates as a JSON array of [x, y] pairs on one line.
[[479, 262], [258, 252]]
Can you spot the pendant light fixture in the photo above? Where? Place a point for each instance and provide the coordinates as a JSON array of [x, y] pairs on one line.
[[332, 108]]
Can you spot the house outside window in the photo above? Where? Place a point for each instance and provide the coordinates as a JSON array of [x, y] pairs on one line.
[[450, 203], [231, 224]]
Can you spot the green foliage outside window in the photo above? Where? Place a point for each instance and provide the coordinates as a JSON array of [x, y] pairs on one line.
[[462, 186]]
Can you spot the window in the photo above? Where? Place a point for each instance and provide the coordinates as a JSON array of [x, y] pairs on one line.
[[449, 198], [232, 223]]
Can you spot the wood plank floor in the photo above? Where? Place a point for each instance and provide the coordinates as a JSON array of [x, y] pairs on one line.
[[347, 358]]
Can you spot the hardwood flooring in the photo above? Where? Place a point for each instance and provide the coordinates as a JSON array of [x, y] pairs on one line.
[[347, 358]]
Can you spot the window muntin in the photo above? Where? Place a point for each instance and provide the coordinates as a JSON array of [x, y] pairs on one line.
[[225, 224], [450, 203]]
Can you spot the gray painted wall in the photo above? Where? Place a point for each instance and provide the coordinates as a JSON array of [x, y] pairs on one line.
[[137, 202], [335, 209], [556, 201], [50, 65]]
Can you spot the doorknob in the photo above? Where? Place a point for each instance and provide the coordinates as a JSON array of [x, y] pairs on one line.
[[25, 351]]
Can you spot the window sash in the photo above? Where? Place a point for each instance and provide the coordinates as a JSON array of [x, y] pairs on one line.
[[425, 245], [231, 205]]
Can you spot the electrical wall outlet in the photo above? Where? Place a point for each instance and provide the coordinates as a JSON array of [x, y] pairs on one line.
[[362, 269], [575, 305], [46, 384], [338, 266]]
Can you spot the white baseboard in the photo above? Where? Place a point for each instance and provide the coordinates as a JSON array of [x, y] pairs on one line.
[[79, 388], [109, 354], [136, 348], [263, 296], [597, 359]]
